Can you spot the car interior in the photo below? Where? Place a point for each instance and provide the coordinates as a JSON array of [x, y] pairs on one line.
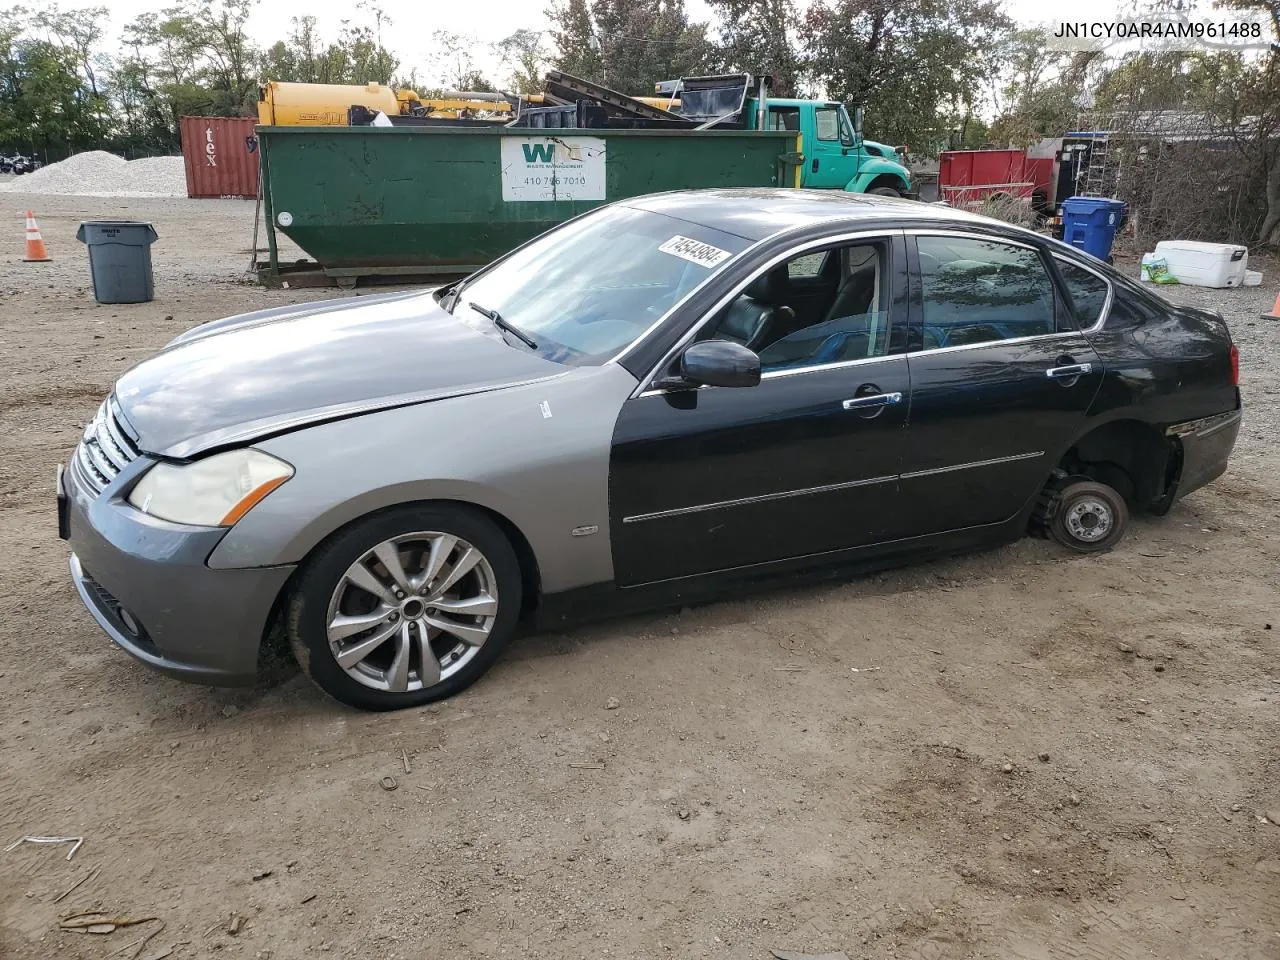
[[824, 307]]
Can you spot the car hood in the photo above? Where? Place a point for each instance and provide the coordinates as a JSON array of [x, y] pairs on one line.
[[236, 380]]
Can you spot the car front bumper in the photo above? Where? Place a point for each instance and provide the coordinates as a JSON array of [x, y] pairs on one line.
[[146, 582]]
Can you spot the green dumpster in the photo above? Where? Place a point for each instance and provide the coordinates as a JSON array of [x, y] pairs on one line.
[[438, 200]]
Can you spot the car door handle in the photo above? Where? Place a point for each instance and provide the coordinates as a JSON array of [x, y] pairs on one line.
[[1070, 370], [815, 164], [874, 400]]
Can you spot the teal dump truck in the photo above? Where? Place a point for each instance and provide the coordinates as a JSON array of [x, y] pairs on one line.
[[836, 156], [422, 198]]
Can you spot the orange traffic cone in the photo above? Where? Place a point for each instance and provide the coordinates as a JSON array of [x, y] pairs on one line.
[[1275, 311], [36, 252]]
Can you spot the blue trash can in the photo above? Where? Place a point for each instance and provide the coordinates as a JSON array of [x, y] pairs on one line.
[[1090, 223]]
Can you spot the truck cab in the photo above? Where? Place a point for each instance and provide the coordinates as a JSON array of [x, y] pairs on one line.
[[834, 155]]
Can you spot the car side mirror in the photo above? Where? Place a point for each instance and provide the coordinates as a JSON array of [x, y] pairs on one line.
[[720, 363]]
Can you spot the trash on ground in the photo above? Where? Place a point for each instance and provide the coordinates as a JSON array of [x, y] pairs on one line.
[[1204, 264], [97, 922], [83, 880], [77, 841], [1156, 270]]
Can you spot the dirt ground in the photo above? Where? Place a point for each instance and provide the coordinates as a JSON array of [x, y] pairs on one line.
[[1017, 754]]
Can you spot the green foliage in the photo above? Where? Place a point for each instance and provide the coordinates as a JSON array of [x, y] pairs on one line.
[[928, 73], [753, 39], [629, 45], [523, 55], [913, 64], [44, 102], [59, 92], [458, 70]]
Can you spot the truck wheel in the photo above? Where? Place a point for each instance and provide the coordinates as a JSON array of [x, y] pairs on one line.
[[884, 192], [1088, 517]]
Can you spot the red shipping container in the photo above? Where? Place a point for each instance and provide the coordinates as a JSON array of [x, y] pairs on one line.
[[221, 154]]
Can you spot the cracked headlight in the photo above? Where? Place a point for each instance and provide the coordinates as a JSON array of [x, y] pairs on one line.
[[213, 492]]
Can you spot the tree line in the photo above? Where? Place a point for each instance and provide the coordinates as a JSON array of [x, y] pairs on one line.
[[931, 74]]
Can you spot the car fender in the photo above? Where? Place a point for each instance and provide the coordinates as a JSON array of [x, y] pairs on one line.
[[873, 167], [537, 454]]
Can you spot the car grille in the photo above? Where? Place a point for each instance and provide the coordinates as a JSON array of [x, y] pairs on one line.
[[106, 448]]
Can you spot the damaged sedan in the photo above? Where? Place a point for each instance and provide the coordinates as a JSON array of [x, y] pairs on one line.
[[660, 401]]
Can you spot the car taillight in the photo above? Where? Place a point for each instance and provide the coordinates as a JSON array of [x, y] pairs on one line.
[[1235, 365]]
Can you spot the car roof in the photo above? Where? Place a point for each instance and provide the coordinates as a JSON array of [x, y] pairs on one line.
[[757, 213]]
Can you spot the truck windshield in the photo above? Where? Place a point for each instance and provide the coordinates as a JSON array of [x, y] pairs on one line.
[[585, 291]]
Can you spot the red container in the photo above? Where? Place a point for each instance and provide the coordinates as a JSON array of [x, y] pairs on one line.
[[221, 155], [966, 178]]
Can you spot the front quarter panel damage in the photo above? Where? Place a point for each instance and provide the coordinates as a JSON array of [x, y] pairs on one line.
[[538, 454]]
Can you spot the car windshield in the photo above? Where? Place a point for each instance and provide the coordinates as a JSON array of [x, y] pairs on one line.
[[585, 291]]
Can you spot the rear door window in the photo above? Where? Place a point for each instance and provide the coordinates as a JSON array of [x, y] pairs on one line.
[[1088, 292], [982, 291]]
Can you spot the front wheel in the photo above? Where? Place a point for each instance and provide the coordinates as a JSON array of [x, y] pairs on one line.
[[405, 607], [884, 192], [1088, 517]]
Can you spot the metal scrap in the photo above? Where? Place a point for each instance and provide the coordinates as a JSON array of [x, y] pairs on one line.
[[77, 841]]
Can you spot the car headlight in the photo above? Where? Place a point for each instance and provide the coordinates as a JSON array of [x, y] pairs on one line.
[[214, 492]]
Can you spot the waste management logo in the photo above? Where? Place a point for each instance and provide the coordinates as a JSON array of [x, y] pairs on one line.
[[553, 168]]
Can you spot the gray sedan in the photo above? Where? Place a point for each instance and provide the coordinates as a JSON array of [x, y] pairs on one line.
[[659, 401]]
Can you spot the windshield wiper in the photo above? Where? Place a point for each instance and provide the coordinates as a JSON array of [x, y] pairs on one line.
[[506, 325]]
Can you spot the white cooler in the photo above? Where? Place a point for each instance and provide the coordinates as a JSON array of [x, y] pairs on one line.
[[1204, 264]]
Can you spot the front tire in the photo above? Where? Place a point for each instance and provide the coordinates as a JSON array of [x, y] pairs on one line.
[[1088, 517], [405, 607], [884, 192]]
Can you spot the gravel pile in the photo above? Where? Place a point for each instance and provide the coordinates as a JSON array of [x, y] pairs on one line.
[[101, 174]]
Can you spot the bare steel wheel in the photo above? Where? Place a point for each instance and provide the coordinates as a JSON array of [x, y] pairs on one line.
[[406, 607], [1088, 516]]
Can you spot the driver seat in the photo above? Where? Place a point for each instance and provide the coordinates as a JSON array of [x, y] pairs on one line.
[[754, 316]]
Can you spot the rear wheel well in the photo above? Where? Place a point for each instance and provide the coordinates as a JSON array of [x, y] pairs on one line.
[[274, 648], [1129, 455]]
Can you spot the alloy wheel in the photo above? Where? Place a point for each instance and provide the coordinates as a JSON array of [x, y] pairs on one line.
[[412, 611]]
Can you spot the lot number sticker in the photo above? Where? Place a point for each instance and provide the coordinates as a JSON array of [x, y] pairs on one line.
[[695, 251], [552, 168]]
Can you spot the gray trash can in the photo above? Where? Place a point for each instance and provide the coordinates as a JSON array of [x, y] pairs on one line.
[[119, 259]]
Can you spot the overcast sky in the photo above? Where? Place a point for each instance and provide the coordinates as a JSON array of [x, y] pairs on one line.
[[487, 20]]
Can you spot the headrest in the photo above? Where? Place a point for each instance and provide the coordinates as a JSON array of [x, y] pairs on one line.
[[769, 287]]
